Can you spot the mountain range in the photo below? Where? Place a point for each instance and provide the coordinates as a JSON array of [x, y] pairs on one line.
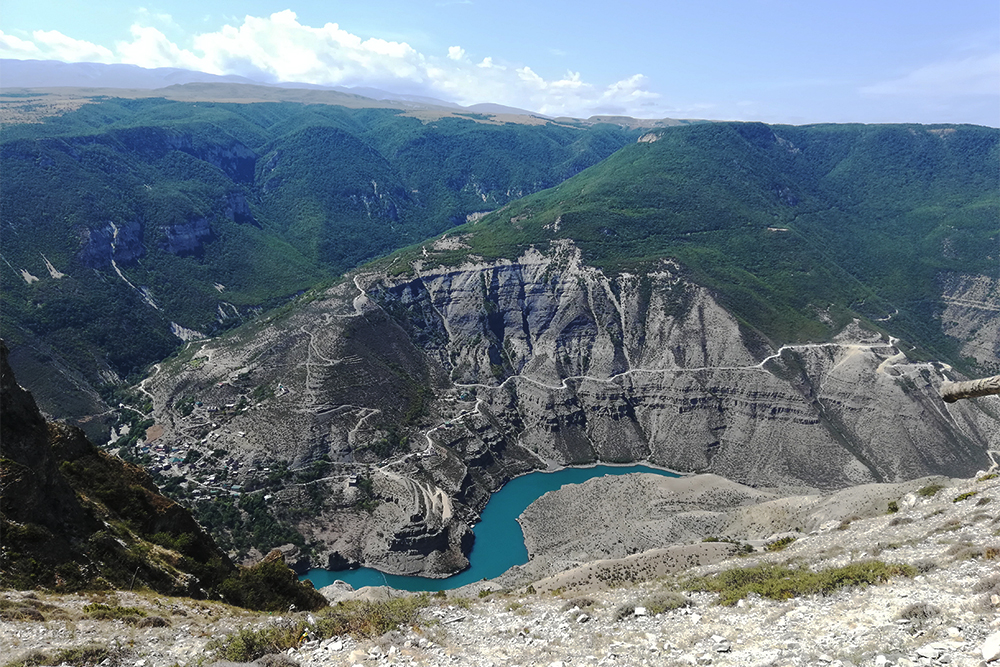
[[374, 314]]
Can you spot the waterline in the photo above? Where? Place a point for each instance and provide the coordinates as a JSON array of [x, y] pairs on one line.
[[499, 543]]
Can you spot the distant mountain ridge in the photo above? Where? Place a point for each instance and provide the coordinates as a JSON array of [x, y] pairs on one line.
[[58, 74]]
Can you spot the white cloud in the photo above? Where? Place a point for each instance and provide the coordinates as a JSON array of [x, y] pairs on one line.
[[15, 47], [972, 75], [151, 48], [53, 45], [280, 48]]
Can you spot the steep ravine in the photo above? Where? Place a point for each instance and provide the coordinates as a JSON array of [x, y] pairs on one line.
[[448, 381]]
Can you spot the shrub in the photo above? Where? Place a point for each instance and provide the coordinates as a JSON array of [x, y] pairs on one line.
[[84, 656], [893, 507], [270, 586], [919, 611], [742, 548], [369, 619], [949, 526], [104, 612], [988, 584], [249, 644], [930, 490], [779, 544], [781, 583], [21, 614], [987, 476], [580, 603], [623, 611], [153, 622], [359, 618], [663, 602], [964, 496]]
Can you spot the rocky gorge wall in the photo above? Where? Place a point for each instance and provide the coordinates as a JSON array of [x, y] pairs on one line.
[[583, 367], [492, 369]]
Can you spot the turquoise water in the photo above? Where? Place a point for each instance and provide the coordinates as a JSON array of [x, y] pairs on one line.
[[499, 542]]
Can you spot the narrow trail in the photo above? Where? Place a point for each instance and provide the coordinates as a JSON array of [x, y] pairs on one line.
[[687, 369], [142, 385]]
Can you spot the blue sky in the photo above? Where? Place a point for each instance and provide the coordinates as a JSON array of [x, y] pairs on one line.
[[779, 61]]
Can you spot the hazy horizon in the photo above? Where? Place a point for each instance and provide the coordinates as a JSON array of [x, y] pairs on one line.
[[775, 61]]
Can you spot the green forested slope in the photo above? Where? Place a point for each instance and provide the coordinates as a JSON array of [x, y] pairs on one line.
[[797, 228], [157, 211]]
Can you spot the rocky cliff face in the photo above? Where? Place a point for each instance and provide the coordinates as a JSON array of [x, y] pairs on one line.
[[583, 367], [111, 243], [231, 156], [494, 368], [186, 238]]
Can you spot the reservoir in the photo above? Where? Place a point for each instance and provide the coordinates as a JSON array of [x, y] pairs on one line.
[[499, 543]]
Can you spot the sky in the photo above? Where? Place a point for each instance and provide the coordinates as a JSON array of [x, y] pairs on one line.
[[777, 61]]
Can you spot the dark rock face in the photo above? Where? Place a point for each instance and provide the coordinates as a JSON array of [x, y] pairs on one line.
[[338, 561], [238, 209], [119, 243], [188, 238]]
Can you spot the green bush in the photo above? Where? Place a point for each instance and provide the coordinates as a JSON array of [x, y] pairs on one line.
[[247, 644], [779, 544], [964, 496], [781, 583], [84, 656], [359, 618], [270, 586], [370, 619], [930, 490], [659, 603]]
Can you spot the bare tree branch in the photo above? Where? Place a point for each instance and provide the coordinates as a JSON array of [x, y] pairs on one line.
[[952, 391]]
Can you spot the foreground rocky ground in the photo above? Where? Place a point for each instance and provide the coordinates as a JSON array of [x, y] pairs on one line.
[[945, 613]]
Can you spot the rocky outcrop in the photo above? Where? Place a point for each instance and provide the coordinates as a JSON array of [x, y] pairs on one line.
[[111, 243], [638, 513], [550, 317], [390, 522], [234, 158], [237, 209], [581, 367], [187, 238]]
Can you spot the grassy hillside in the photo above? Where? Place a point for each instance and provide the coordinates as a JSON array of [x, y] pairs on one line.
[[796, 228]]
